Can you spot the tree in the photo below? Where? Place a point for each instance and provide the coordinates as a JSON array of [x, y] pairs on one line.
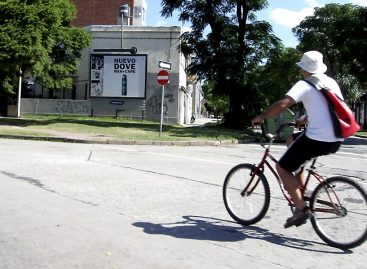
[[214, 103], [235, 44], [281, 73], [339, 32], [36, 37]]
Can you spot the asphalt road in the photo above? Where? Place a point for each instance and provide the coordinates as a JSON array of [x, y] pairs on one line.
[[91, 206]]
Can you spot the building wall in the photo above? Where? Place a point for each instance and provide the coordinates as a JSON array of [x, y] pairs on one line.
[[55, 106], [159, 44], [140, 13], [99, 12]]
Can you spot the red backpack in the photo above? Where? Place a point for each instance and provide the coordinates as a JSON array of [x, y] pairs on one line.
[[343, 118]]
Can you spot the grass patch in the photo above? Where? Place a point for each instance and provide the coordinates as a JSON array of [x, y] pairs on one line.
[[18, 131], [362, 134], [118, 128]]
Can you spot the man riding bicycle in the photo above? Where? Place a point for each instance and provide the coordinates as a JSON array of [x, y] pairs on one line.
[[318, 139]]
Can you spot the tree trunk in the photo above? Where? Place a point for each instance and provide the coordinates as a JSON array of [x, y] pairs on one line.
[[233, 119]]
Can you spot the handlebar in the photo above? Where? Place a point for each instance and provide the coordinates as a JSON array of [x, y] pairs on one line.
[[270, 136], [287, 124]]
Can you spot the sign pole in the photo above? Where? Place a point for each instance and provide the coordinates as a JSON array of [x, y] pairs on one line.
[[160, 128], [162, 79], [122, 29]]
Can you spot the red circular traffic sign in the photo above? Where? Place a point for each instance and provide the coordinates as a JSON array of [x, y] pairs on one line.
[[162, 77]]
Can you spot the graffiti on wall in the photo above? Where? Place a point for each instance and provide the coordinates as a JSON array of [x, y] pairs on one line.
[[72, 107], [154, 103], [169, 98]]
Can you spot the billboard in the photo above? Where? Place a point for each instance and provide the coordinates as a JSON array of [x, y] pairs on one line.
[[118, 75]]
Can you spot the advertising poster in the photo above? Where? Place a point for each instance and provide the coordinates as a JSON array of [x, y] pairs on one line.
[[118, 75]]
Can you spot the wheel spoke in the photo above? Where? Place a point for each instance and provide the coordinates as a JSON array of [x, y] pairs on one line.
[[340, 212], [246, 194]]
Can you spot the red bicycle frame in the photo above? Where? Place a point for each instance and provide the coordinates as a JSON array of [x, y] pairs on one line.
[[311, 172]]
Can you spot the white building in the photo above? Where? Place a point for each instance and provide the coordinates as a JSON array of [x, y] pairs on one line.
[[158, 44], [155, 44]]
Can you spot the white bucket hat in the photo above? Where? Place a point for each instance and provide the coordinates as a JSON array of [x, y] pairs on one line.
[[312, 62]]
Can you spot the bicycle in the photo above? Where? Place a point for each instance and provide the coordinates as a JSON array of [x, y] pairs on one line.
[[338, 203]]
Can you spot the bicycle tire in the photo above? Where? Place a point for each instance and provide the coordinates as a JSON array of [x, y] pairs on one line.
[[345, 227], [249, 208]]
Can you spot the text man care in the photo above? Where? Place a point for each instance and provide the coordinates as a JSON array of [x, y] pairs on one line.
[[124, 65]]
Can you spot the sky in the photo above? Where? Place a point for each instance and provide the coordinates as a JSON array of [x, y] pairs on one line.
[[283, 15]]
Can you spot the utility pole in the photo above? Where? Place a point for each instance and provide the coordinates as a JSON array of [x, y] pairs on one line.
[[124, 12], [19, 92]]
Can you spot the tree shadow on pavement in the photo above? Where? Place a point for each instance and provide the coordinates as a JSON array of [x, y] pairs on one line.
[[212, 229]]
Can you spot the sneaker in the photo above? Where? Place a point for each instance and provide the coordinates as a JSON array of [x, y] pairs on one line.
[[299, 218]]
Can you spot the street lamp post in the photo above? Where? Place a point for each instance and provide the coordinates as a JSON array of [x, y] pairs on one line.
[[19, 92], [124, 12]]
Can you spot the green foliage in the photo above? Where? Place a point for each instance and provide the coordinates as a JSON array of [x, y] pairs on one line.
[[278, 75], [235, 44], [36, 36], [214, 103], [339, 32], [351, 86]]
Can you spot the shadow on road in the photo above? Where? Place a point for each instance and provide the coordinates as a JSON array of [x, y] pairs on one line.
[[354, 140], [212, 229]]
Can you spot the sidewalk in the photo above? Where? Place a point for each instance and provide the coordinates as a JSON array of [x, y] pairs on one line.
[[202, 121], [82, 138]]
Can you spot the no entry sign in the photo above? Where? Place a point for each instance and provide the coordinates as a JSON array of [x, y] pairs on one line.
[[162, 77]]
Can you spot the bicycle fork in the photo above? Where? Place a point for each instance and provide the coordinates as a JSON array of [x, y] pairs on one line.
[[247, 190]]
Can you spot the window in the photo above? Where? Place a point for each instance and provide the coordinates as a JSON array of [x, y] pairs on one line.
[[138, 12]]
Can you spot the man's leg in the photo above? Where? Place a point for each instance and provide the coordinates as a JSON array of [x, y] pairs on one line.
[[301, 180], [291, 184], [302, 212], [293, 159], [300, 176]]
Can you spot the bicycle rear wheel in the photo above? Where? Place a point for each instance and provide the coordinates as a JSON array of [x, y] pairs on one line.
[[340, 212], [246, 195]]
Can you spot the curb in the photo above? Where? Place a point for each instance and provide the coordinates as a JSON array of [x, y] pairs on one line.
[[130, 142]]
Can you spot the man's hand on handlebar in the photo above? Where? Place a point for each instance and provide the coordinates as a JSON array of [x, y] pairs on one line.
[[257, 121], [301, 122]]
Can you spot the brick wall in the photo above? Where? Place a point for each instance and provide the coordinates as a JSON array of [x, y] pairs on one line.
[[98, 12]]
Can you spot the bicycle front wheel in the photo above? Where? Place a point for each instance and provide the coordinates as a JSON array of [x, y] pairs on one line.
[[340, 212], [246, 194]]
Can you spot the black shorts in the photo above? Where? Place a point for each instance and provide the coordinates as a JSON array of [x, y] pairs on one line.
[[304, 149]]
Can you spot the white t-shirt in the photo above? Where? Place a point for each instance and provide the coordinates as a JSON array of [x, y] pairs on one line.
[[319, 126]]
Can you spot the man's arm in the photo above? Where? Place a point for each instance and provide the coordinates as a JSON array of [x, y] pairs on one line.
[[274, 110]]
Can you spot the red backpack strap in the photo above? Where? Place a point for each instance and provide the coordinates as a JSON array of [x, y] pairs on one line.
[[318, 85], [315, 82]]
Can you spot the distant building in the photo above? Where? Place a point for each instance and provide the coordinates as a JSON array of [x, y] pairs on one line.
[[106, 12]]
